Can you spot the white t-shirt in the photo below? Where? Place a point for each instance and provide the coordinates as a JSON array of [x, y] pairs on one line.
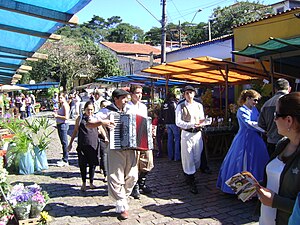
[[274, 170], [137, 109]]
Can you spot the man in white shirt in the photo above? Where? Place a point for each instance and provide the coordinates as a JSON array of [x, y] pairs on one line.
[[98, 100], [145, 161], [190, 118]]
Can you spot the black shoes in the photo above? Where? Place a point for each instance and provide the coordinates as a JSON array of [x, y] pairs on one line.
[[136, 192], [190, 180]]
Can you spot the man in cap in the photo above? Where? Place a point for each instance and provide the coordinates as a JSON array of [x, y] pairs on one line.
[[122, 164], [266, 117], [190, 118]]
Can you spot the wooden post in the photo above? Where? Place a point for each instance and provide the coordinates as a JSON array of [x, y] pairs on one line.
[[226, 92]]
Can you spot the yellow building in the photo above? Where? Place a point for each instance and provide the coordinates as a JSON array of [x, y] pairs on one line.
[[271, 43]]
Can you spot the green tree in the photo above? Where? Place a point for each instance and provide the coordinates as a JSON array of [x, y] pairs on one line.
[[97, 29], [153, 36], [195, 33], [125, 32], [69, 58], [223, 19]]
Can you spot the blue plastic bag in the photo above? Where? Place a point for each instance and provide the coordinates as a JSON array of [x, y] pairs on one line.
[[26, 165], [40, 159]]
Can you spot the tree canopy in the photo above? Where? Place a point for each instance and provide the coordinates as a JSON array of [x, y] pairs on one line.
[[69, 59], [221, 22]]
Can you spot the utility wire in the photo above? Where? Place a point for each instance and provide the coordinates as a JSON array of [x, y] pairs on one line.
[[148, 11]]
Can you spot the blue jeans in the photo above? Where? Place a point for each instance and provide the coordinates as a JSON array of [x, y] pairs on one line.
[[62, 129], [173, 142]]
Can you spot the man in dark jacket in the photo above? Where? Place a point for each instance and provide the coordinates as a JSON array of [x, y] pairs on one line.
[[168, 114], [266, 117]]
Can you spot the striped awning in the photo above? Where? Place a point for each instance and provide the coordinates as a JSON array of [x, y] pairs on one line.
[[25, 26]]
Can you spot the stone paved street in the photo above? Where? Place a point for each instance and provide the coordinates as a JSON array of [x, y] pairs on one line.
[[170, 203]]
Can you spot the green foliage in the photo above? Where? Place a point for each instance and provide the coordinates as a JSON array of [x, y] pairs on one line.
[[223, 19], [3, 183], [14, 125], [125, 32], [70, 58], [40, 130], [50, 92]]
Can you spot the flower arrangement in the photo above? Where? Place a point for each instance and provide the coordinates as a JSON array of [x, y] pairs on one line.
[[27, 201], [6, 213]]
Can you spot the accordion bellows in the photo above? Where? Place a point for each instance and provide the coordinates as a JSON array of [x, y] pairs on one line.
[[131, 132]]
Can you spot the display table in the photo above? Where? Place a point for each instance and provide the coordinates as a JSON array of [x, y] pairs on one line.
[[217, 140]]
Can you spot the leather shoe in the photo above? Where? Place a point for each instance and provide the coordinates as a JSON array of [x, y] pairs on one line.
[[135, 192], [123, 215]]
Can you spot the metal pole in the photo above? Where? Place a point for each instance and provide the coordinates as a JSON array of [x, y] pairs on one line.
[[209, 30], [180, 43], [163, 32], [226, 92]]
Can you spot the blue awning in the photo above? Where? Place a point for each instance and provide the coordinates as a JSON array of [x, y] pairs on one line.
[[147, 80], [39, 86], [26, 25]]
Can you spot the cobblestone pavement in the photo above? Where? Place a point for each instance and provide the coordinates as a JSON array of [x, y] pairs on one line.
[[170, 203]]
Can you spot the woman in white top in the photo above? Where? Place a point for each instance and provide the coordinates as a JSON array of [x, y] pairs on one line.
[[282, 173], [62, 116]]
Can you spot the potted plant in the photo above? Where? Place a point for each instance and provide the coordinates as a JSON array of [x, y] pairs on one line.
[[39, 199], [19, 155], [19, 198], [27, 201], [40, 131]]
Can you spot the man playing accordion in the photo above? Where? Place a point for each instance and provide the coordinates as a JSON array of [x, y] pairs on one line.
[[122, 164]]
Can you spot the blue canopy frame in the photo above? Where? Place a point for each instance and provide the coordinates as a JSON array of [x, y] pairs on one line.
[[26, 25], [147, 80]]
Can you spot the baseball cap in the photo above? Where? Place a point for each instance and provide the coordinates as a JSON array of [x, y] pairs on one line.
[[189, 88], [119, 92]]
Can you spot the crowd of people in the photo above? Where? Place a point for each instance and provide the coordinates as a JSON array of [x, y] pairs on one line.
[[275, 164], [19, 106]]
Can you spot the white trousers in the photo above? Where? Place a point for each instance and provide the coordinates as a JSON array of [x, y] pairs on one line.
[[122, 176], [191, 149]]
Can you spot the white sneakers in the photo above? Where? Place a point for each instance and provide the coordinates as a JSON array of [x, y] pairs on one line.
[[62, 163]]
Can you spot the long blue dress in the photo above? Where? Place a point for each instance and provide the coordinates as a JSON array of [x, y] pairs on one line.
[[247, 152]]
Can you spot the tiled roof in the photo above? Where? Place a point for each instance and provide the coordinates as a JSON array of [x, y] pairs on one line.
[[143, 58], [268, 17], [222, 38], [127, 48]]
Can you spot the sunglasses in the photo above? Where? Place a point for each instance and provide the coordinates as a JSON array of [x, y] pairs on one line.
[[278, 115], [255, 100]]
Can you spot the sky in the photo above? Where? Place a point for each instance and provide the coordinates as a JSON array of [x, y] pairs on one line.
[[147, 13]]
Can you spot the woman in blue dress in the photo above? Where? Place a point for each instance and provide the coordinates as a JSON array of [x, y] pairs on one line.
[[248, 151]]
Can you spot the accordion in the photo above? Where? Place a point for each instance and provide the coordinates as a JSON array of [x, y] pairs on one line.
[[131, 132]]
